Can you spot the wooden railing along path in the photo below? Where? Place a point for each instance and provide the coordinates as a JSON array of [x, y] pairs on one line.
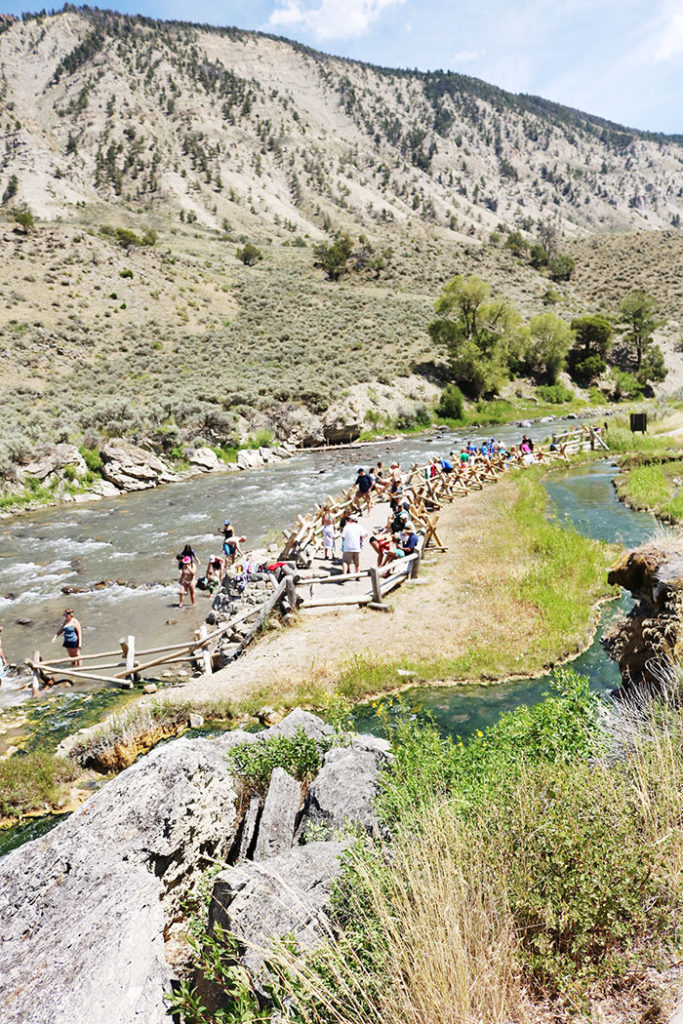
[[427, 494]]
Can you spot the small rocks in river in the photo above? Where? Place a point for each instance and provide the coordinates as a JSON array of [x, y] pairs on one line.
[[24, 622], [71, 588], [150, 688], [171, 622]]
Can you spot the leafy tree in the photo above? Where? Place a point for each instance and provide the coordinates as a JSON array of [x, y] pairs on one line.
[[517, 243], [561, 267], [478, 332], [652, 368], [550, 339], [24, 218], [593, 340], [333, 258], [547, 236], [538, 256], [249, 255], [638, 321], [451, 403], [366, 257]]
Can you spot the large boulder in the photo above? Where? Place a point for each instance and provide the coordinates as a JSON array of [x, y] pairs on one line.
[[287, 895], [648, 643], [204, 459], [300, 720], [278, 818], [344, 790], [131, 468], [248, 458], [85, 909], [50, 463]]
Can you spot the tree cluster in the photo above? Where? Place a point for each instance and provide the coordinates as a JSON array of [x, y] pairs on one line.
[[487, 342], [341, 257]]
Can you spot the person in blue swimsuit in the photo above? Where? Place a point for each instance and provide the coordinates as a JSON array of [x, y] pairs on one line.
[[70, 629]]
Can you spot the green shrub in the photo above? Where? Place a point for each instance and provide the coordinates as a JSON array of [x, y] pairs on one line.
[[249, 255], [451, 403], [554, 394], [126, 273], [253, 763]]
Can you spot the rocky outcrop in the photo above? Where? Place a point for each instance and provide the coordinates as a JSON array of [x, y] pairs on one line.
[[345, 788], [131, 468], [91, 912], [248, 458], [85, 909], [203, 459], [649, 641], [287, 895], [278, 818], [51, 463]]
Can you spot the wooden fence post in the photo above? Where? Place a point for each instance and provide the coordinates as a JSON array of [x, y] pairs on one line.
[[377, 603], [35, 672], [204, 655]]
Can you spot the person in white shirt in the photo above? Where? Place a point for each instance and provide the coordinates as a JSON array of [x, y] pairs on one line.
[[352, 538]]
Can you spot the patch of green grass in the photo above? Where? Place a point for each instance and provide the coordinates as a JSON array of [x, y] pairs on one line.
[[32, 781]]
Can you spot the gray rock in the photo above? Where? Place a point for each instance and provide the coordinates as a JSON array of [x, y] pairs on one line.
[[248, 458], [84, 908], [311, 725], [204, 459], [50, 462], [266, 901], [278, 818], [105, 489], [131, 468], [249, 828], [267, 455], [344, 790]]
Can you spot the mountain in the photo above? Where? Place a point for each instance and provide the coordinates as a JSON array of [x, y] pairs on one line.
[[223, 126], [196, 140]]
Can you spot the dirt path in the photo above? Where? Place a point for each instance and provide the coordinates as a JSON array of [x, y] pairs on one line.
[[441, 616]]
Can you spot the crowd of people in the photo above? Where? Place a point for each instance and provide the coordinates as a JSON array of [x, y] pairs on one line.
[[396, 539]]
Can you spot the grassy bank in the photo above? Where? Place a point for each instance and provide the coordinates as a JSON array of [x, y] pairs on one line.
[[514, 594], [532, 873]]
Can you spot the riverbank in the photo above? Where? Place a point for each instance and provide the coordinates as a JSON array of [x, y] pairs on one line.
[[513, 595]]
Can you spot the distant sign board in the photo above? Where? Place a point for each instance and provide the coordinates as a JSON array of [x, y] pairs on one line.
[[639, 422]]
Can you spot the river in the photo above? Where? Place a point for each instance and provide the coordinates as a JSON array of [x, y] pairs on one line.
[[133, 539], [584, 496]]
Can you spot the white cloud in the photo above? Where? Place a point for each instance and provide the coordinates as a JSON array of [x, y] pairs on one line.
[[331, 19], [666, 40], [467, 56]]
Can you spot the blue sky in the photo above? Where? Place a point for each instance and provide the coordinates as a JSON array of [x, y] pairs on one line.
[[621, 59]]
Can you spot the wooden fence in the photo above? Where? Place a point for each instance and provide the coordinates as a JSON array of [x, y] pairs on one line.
[[429, 488]]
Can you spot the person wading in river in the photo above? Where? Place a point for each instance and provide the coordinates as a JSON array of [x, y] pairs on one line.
[[187, 575], [73, 639]]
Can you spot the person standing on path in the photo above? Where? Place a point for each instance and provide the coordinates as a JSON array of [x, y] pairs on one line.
[[364, 483], [352, 537], [73, 636]]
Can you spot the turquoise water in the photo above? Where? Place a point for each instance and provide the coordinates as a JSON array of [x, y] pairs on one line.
[[34, 828], [586, 499]]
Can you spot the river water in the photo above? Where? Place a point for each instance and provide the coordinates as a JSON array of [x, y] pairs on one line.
[[133, 539]]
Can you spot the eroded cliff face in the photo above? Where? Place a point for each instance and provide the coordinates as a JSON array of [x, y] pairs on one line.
[[649, 641]]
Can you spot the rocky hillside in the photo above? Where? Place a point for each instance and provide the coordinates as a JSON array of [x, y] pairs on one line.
[[225, 126]]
